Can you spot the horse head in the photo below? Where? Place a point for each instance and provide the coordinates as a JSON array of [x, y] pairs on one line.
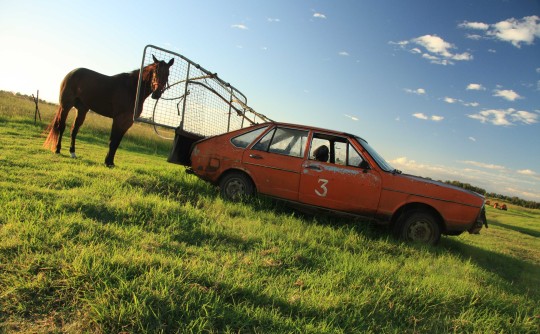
[[160, 76]]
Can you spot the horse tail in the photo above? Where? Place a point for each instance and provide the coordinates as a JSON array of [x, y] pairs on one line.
[[58, 123], [54, 131]]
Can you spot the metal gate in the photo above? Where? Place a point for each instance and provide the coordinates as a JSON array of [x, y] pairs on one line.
[[196, 102]]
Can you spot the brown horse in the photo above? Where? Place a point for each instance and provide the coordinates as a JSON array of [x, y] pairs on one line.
[[110, 96]]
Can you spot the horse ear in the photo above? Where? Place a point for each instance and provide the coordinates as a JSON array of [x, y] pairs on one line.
[[171, 62], [155, 59]]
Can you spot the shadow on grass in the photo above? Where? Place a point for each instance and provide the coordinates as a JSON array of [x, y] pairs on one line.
[[519, 229], [521, 277]]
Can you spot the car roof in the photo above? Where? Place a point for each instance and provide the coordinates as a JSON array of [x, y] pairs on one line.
[[314, 128]]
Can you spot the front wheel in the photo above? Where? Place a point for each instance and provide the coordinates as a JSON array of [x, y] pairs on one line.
[[236, 186], [420, 227]]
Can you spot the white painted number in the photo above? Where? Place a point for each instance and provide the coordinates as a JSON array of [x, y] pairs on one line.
[[322, 184]]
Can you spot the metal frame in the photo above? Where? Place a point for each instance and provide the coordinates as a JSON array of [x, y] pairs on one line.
[[236, 100]]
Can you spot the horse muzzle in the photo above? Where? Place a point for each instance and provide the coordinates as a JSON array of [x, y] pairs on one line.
[[157, 94]]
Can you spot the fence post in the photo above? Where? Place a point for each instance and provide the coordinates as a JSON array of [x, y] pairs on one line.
[[36, 113]]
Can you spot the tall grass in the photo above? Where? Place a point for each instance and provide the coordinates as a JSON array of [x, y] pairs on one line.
[[147, 248]]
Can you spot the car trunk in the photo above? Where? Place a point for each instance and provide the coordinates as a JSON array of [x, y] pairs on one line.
[[181, 150]]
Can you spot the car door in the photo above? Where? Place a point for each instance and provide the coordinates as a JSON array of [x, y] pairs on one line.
[[275, 162], [343, 181]]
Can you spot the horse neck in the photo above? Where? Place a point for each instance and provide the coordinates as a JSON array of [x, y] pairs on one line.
[[146, 80]]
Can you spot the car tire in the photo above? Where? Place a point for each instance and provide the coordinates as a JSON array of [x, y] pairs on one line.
[[420, 227], [236, 186]]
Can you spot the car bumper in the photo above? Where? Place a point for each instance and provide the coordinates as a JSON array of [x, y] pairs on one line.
[[480, 222]]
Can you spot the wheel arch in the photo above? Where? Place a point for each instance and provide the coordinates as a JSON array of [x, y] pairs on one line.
[[408, 208], [236, 170]]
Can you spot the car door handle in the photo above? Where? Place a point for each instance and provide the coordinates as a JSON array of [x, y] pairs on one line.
[[255, 156], [313, 167]]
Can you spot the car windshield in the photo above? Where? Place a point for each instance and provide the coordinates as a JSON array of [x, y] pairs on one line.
[[376, 156]]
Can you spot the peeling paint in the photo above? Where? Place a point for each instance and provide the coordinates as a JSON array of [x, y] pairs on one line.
[[339, 170]]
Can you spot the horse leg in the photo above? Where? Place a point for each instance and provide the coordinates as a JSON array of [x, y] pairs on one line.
[[120, 125], [79, 120], [60, 126]]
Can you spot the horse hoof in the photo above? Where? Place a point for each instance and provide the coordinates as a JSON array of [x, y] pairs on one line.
[[109, 165], [73, 155]]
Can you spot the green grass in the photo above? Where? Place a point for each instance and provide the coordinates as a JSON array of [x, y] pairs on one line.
[[147, 248]]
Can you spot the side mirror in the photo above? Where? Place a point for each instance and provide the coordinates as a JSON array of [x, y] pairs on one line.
[[364, 165]]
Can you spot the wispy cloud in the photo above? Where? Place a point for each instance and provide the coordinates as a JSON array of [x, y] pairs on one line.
[[319, 15], [483, 165], [474, 25], [354, 118], [475, 86], [492, 177], [507, 94], [239, 26], [418, 91], [434, 118], [270, 19], [505, 117], [527, 172], [343, 53], [515, 31], [435, 49], [451, 100], [472, 139]]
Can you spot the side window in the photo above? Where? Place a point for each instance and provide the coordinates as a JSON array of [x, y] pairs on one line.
[[284, 141], [334, 149], [354, 157], [245, 139], [320, 149]]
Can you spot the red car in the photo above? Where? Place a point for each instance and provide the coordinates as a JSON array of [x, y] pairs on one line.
[[335, 171]]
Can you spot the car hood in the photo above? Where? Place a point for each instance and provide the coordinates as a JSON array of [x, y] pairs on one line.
[[420, 186]]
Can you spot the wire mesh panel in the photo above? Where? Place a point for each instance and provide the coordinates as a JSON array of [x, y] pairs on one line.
[[195, 101]]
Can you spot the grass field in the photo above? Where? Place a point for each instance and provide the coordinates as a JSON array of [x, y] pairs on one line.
[[147, 248]]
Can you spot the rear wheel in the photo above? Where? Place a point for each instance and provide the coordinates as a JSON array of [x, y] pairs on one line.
[[235, 186], [420, 227]]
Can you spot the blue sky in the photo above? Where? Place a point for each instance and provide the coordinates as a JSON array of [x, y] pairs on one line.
[[444, 89]]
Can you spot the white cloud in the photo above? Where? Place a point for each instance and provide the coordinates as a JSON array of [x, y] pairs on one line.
[[538, 70], [517, 31], [524, 117], [273, 20], [423, 116], [526, 172], [471, 104], [319, 16], [343, 53], [354, 118], [419, 91], [472, 139], [450, 100], [512, 30], [436, 50], [505, 117], [475, 86], [239, 26], [420, 115], [474, 25], [507, 94]]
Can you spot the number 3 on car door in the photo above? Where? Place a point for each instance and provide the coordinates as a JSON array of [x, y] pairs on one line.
[[324, 190]]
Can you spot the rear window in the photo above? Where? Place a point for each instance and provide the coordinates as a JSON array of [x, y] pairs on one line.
[[247, 138]]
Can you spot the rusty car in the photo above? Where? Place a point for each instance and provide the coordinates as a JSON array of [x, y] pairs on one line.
[[336, 172]]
